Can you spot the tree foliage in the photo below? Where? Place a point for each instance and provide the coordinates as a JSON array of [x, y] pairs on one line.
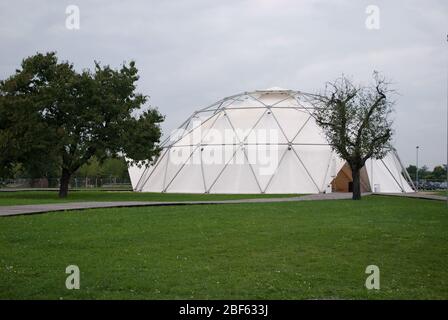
[[356, 121], [437, 174], [111, 167], [50, 112]]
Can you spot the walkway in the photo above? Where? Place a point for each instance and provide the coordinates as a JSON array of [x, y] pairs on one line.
[[40, 208], [418, 195]]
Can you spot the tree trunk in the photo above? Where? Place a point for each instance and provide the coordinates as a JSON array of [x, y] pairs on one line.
[[356, 184], [63, 187]]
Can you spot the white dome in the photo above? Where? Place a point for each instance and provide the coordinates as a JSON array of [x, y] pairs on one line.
[[274, 89], [265, 141]]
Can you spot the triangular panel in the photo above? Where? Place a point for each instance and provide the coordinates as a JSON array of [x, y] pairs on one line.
[[243, 120], [290, 120], [317, 161], [311, 133], [266, 131], [276, 99], [265, 160], [291, 177], [381, 175], [221, 132], [135, 173], [178, 156], [201, 127], [153, 181], [237, 177], [189, 179], [214, 159], [398, 173]]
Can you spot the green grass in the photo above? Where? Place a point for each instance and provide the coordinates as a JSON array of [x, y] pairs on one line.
[[42, 197], [303, 250]]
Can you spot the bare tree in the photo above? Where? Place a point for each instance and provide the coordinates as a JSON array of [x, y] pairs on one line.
[[356, 121]]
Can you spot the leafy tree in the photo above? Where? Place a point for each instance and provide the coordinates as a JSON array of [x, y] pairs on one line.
[[50, 111], [90, 169], [412, 170], [24, 139], [110, 167], [355, 120], [115, 167], [439, 173], [423, 172]]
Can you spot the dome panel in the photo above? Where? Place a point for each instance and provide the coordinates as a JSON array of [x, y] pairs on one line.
[[311, 133], [237, 177], [198, 119], [154, 179], [317, 161], [244, 120], [220, 132], [250, 100], [189, 178], [277, 99], [291, 177], [176, 159], [291, 121], [386, 174], [199, 129], [214, 159], [136, 173], [267, 131], [265, 160]]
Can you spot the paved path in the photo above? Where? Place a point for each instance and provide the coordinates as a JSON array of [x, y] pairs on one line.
[[40, 208], [418, 195]]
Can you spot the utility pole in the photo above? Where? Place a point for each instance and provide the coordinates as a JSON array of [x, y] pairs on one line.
[[416, 171], [446, 168]]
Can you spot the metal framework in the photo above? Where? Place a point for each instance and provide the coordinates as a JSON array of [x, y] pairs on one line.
[[304, 158]]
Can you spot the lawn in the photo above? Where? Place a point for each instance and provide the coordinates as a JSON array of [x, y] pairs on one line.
[[302, 250], [8, 198]]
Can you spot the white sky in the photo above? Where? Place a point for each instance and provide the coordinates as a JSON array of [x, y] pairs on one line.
[[193, 53]]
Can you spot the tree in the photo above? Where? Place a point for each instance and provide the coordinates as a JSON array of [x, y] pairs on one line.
[[412, 171], [50, 111], [110, 168], [423, 172], [355, 120], [439, 173], [24, 139], [115, 167], [89, 169]]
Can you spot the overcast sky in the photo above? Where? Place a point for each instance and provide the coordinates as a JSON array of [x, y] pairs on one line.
[[193, 53]]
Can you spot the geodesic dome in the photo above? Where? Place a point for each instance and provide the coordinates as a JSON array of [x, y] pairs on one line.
[[265, 141]]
